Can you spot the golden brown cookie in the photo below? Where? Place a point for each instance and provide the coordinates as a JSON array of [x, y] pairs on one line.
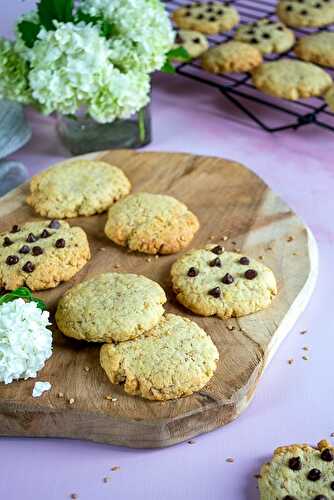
[[329, 97], [299, 472], [231, 57], [291, 79], [212, 282], [77, 187], [270, 37], [41, 254], [176, 359], [151, 223], [317, 48], [306, 13], [208, 18]]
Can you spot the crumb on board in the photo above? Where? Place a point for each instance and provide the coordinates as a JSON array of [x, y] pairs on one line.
[[290, 361], [332, 434], [303, 332], [225, 238], [106, 479], [74, 496], [191, 441], [257, 476], [115, 467], [305, 348], [230, 460], [290, 238], [117, 266], [102, 249], [305, 358], [230, 327], [60, 394], [148, 259], [269, 248], [156, 256], [261, 257], [71, 401], [86, 368]]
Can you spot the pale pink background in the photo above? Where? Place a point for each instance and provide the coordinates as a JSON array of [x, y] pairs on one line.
[[292, 404]]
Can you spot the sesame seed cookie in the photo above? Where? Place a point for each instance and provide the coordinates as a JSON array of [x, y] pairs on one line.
[[270, 37], [175, 360], [231, 57], [317, 48], [291, 79], [212, 282], [111, 307], [77, 187], [209, 18], [194, 42], [306, 13], [151, 223], [329, 97], [41, 254], [299, 471]]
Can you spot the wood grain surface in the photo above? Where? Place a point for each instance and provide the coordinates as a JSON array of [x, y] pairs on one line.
[[230, 201]]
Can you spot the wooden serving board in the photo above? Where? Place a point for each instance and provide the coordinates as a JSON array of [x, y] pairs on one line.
[[229, 200]]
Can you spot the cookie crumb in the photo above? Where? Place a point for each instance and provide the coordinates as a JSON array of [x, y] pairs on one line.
[[117, 266], [290, 238], [74, 496], [261, 257], [148, 259], [303, 332], [295, 253], [191, 441], [71, 401], [305, 358], [225, 238], [102, 249], [156, 256], [86, 368], [106, 479], [230, 460], [269, 248], [109, 397], [233, 242], [332, 434], [113, 400], [60, 394], [290, 361], [305, 348], [230, 327], [115, 467]]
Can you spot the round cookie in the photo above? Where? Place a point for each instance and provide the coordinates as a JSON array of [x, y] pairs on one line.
[[306, 13], [41, 254], [175, 360], [111, 307], [299, 471], [209, 18], [194, 42], [317, 48], [151, 223], [231, 57], [270, 37], [291, 79], [77, 187], [212, 282], [329, 97]]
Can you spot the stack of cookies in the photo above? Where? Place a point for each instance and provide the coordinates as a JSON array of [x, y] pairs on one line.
[[286, 78]]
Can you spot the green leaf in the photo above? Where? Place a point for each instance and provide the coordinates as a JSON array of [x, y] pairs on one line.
[[106, 27], [22, 293], [178, 54], [55, 10], [86, 18], [29, 32], [168, 67]]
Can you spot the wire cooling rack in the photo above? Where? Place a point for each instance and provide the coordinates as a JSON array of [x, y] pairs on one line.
[[270, 113]]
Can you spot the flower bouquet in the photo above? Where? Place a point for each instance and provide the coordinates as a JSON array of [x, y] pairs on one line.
[[90, 62]]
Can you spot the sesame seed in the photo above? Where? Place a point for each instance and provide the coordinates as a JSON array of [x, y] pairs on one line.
[[113, 399]]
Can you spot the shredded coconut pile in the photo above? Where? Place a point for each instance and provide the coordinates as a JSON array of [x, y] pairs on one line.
[[25, 340]]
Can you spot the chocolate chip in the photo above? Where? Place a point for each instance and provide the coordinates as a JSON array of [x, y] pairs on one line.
[[215, 292], [327, 455], [55, 224], [25, 249], [200, 16], [196, 40], [60, 243], [318, 6], [2, 290], [220, 12], [45, 233], [192, 272], [314, 475], [250, 32], [7, 242], [332, 485], [210, 9], [289, 8], [253, 40], [31, 238], [304, 12], [28, 267], [280, 28], [212, 18], [12, 259], [295, 463], [320, 497], [244, 261], [15, 229], [218, 250], [250, 274], [215, 262], [265, 35], [37, 251], [227, 279], [289, 497], [187, 14]]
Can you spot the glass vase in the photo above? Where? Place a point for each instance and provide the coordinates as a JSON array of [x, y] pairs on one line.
[[81, 134]]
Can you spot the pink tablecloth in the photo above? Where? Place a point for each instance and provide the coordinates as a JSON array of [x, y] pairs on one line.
[[292, 404]]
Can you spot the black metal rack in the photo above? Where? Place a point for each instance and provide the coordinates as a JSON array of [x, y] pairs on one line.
[[270, 113]]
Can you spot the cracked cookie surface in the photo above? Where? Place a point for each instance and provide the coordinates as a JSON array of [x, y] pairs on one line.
[[212, 282], [299, 471], [41, 254], [175, 360], [151, 223], [77, 187], [111, 307], [208, 18]]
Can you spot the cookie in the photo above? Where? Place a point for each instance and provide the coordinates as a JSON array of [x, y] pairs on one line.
[[175, 360], [299, 471], [151, 223], [291, 79], [329, 97], [317, 48], [77, 187], [212, 282], [111, 307], [209, 18], [270, 37], [41, 254], [194, 42], [306, 13], [231, 57]]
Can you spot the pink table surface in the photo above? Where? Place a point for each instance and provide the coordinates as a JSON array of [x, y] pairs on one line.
[[292, 404]]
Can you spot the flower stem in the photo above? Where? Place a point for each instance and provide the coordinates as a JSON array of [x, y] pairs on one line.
[[141, 124]]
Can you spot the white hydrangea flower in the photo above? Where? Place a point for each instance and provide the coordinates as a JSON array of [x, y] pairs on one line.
[[25, 340], [14, 83], [144, 31]]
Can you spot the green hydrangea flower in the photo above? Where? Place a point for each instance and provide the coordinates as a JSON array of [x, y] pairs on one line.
[[14, 71]]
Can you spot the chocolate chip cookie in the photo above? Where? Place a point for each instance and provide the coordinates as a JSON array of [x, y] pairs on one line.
[[208, 18], [306, 13], [270, 37], [194, 42]]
